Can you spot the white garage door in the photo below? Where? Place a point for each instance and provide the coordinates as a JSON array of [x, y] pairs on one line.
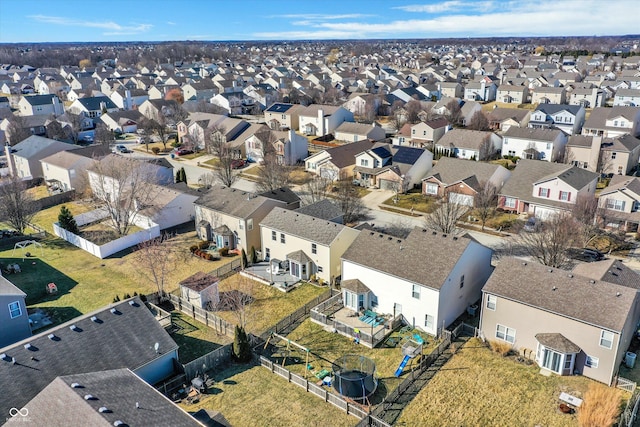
[[386, 184], [461, 199], [543, 213]]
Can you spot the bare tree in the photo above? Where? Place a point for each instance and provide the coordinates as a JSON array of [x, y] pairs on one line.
[[17, 206], [155, 259], [124, 187], [272, 173], [550, 244], [207, 180], [400, 227], [196, 139], [157, 126], [605, 162], [316, 189], [478, 121], [238, 300], [397, 118], [412, 108], [351, 205], [216, 144], [453, 111], [55, 130], [486, 151], [586, 213], [445, 217], [486, 200], [18, 129], [103, 136], [74, 124]]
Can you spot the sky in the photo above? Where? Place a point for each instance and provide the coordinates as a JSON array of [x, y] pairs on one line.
[[173, 20]]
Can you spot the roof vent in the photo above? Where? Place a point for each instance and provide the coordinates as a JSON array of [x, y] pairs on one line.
[[114, 311], [550, 270], [455, 237], [13, 360], [389, 238], [592, 281], [104, 410], [4, 357], [554, 288], [434, 232], [76, 385], [570, 276], [132, 303], [74, 328], [118, 423], [444, 235], [30, 347], [53, 337], [524, 263], [618, 294], [95, 319], [90, 397]]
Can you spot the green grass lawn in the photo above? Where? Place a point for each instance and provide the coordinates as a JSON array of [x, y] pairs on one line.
[[252, 396], [479, 388], [270, 305], [46, 217], [416, 200], [194, 338]]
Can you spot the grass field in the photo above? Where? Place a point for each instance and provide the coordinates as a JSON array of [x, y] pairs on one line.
[[252, 396], [477, 388], [194, 338], [419, 202]]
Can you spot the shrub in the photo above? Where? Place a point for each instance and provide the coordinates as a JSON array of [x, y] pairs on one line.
[[241, 348], [155, 150], [116, 299], [245, 262], [600, 407], [203, 245], [193, 248], [503, 348], [224, 251], [254, 255], [67, 221], [126, 296], [209, 257]]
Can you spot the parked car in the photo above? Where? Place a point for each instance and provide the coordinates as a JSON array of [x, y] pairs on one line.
[[532, 224], [586, 255], [238, 164], [183, 151], [122, 149]]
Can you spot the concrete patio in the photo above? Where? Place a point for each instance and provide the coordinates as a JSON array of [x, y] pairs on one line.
[[282, 281]]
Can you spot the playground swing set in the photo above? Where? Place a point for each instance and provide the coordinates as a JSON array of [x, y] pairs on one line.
[[286, 353]]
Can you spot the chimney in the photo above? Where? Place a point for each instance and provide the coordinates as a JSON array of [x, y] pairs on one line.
[[10, 160], [128, 104], [321, 128]]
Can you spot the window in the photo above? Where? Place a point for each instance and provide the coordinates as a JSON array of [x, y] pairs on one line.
[[606, 339], [565, 196], [416, 291], [273, 235], [461, 281], [250, 224], [14, 309], [319, 269], [267, 254], [432, 189], [241, 224], [567, 361], [282, 239], [591, 362], [506, 334], [314, 248], [613, 155], [492, 300], [364, 162], [543, 192], [510, 202], [428, 321], [617, 205]]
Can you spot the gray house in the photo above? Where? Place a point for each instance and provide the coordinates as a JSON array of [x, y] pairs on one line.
[[24, 157], [569, 323], [14, 319]]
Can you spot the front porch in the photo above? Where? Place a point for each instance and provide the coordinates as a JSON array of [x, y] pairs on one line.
[[336, 317]]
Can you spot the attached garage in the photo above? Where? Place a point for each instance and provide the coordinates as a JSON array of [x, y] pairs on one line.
[[387, 184], [543, 213], [461, 199]]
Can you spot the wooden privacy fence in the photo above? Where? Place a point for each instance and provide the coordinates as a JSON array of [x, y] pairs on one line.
[[228, 269], [311, 387], [207, 362], [219, 324]]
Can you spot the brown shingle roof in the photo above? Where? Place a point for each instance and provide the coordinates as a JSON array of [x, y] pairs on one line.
[[609, 270], [559, 292], [557, 342], [199, 281]]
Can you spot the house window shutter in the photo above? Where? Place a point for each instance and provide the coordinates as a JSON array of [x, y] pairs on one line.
[[539, 191], [568, 196]]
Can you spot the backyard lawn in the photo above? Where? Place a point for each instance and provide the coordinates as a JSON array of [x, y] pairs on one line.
[[252, 396], [478, 387], [194, 338], [416, 200]]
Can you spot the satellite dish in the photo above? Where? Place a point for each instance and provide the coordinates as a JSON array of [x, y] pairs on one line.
[[156, 347]]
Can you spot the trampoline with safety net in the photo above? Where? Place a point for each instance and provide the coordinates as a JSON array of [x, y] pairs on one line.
[[354, 376]]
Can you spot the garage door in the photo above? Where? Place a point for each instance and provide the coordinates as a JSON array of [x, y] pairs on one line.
[[461, 199], [386, 184], [328, 173], [543, 213]]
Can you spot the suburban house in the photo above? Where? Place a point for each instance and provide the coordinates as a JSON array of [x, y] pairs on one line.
[[24, 157], [352, 132], [451, 89], [336, 163], [362, 103], [424, 133], [93, 107], [584, 152], [568, 118], [536, 144], [119, 396], [310, 246], [36, 125], [511, 94], [612, 122], [34, 105], [65, 170], [129, 99], [543, 189], [471, 144], [14, 318], [230, 217], [430, 292], [467, 111], [121, 335], [172, 205], [483, 90], [587, 97], [620, 155], [610, 270], [551, 315], [628, 97], [549, 95], [621, 203], [501, 119], [280, 116], [321, 120], [122, 121], [288, 146], [204, 89], [460, 180], [153, 108], [201, 290], [192, 130]]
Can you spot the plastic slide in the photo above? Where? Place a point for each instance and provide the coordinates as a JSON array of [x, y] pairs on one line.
[[402, 365]]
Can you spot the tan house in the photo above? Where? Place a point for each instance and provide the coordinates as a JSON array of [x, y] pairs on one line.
[[230, 217], [583, 151], [336, 162], [549, 95], [429, 132], [501, 119], [612, 122], [511, 94], [570, 324], [308, 244], [352, 132], [280, 116], [65, 170], [620, 155], [621, 201]]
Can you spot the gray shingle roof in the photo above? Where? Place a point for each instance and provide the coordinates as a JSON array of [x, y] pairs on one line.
[[532, 134], [118, 390], [354, 285], [580, 141], [609, 270], [33, 145], [344, 155], [558, 342], [199, 281], [464, 138], [124, 340], [449, 170], [553, 290], [299, 256], [405, 258], [306, 227], [237, 203], [599, 116], [40, 99], [95, 103], [576, 177], [323, 209], [8, 288]]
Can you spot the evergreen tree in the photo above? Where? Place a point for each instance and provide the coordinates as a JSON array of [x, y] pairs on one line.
[[67, 221], [179, 176], [254, 255], [241, 348], [183, 175], [245, 262]]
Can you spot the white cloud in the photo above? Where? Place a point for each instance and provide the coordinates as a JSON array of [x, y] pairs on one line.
[[112, 27], [321, 17], [171, 23], [446, 6]]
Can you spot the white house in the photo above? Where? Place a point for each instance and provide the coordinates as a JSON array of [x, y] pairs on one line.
[[471, 144], [321, 120], [352, 132], [288, 146], [430, 292], [65, 170], [536, 144], [568, 118], [34, 105], [629, 97]]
